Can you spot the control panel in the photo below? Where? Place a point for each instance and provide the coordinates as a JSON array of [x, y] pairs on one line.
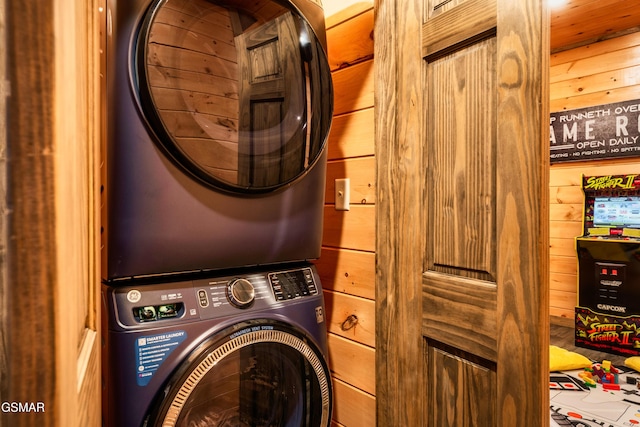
[[292, 284], [209, 298]]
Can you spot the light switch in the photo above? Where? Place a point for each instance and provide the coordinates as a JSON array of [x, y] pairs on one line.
[[342, 194]]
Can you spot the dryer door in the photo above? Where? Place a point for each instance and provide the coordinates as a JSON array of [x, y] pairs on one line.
[[238, 93], [256, 373]]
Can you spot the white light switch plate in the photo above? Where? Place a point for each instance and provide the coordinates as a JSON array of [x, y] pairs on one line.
[[342, 194]]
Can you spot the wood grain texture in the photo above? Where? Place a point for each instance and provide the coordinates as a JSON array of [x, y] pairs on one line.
[[352, 41], [522, 183], [453, 306], [4, 209], [400, 215], [462, 25], [564, 282], [461, 149], [351, 134], [597, 98], [352, 229], [348, 271], [350, 317], [362, 180], [560, 246], [351, 10], [51, 296], [355, 86], [352, 363], [610, 79], [353, 407], [598, 19], [76, 134], [594, 64], [347, 263], [30, 374], [594, 49], [454, 407]]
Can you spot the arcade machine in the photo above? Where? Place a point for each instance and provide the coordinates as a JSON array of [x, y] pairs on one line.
[[608, 313]]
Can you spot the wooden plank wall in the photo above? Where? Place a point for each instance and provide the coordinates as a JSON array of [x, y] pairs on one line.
[[347, 263], [594, 74]]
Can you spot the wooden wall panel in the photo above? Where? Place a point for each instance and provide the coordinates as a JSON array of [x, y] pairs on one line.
[[559, 246], [361, 173], [347, 271], [565, 282], [355, 86], [351, 135], [353, 229], [351, 317], [356, 408], [352, 363], [591, 75], [351, 43], [347, 262]]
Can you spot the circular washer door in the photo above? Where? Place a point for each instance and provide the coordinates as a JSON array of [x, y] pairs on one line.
[[238, 93], [256, 373]]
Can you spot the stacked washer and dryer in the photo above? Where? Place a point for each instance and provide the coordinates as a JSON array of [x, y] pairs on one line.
[[217, 118]]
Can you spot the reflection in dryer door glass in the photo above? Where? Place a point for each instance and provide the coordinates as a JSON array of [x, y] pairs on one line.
[[241, 93]]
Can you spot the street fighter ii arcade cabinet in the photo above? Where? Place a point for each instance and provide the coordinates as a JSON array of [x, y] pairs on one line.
[[608, 313]]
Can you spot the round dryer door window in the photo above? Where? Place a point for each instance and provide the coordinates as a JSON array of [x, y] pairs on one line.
[[259, 373], [238, 93]]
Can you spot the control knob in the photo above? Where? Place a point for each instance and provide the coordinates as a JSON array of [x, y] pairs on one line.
[[241, 293]]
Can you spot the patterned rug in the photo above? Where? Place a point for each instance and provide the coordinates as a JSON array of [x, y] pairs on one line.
[[575, 404]]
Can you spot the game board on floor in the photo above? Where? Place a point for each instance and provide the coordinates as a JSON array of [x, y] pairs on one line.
[[573, 402]]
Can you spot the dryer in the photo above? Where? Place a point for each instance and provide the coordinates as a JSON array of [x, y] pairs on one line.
[[217, 118], [231, 350]]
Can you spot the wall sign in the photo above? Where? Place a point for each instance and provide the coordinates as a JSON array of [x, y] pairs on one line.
[[599, 132]]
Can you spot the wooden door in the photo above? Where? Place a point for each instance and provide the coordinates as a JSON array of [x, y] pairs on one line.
[[271, 142], [50, 351], [462, 165]]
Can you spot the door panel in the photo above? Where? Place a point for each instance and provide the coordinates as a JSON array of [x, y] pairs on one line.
[[454, 24], [461, 233], [461, 184], [452, 306], [460, 390]]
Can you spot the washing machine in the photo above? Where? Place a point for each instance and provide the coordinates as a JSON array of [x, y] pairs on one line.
[[232, 350], [217, 118]]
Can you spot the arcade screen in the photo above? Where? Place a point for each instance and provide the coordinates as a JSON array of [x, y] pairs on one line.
[[617, 212]]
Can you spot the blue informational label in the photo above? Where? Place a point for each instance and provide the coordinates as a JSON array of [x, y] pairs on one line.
[[152, 351]]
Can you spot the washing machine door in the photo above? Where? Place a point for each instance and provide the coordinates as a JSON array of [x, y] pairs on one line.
[[238, 93], [257, 373]]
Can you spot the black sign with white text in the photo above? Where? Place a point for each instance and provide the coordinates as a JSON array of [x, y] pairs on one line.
[[600, 132]]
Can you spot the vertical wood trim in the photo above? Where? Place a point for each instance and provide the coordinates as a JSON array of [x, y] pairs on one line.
[[31, 375], [523, 301], [4, 238], [399, 201]]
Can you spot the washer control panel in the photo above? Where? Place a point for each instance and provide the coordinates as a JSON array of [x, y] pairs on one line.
[[292, 284], [209, 298], [241, 293]]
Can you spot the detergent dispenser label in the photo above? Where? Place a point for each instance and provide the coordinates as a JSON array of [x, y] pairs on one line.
[[152, 351]]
